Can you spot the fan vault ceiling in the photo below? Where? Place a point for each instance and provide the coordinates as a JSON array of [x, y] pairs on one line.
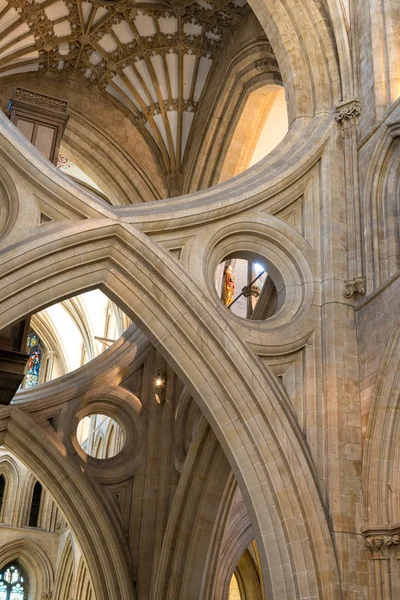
[[152, 57]]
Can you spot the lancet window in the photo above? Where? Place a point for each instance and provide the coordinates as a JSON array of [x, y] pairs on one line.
[[12, 583], [2, 490], [35, 506], [35, 351]]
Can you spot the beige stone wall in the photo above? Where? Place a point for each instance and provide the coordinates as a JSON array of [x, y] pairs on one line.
[[102, 117], [284, 431]]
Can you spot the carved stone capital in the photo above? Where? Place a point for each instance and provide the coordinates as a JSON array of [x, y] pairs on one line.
[[378, 544], [354, 286], [347, 111], [251, 290], [382, 541], [46, 595]]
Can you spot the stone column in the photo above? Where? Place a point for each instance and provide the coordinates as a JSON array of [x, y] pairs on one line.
[[51, 356], [384, 583], [347, 114]]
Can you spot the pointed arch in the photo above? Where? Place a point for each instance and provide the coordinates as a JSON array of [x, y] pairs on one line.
[[35, 562], [305, 34], [205, 353], [9, 470], [98, 445], [381, 207], [86, 511], [238, 536], [201, 504], [35, 505], [381, 461], [27, 492], [65, 572], [83, 586]]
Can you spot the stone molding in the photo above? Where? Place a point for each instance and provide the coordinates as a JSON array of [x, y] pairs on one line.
[[354, 286], [40, 100]]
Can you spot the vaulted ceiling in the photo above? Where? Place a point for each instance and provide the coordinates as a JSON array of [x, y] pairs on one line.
[[152, 57]]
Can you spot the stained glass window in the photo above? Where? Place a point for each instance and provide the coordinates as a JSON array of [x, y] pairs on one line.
[[35, 351], [12, 583]]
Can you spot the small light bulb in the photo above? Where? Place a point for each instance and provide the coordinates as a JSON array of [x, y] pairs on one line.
[[158, 382]]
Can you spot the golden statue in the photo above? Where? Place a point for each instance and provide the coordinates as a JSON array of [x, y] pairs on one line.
[[228, 286]]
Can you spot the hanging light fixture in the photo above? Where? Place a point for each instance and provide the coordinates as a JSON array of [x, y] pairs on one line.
[[160, 384]]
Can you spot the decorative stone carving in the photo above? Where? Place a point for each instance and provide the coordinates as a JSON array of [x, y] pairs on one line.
[[201, 35], [46, 595], [40, 100], [354, 286], [381, 542], [251, 290], [346, 111]]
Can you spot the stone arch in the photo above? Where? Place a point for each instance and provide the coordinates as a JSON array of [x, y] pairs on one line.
[[238, 537], [247, 576], [84, 507], [184, 327], [83, 586], [311, 45], [9, 204], [252, 67], [301, 149], [381, 463], [26, 498], [382, 209], [10, 471], [65, 572], [35, 562], [201, 504], [100, 156]]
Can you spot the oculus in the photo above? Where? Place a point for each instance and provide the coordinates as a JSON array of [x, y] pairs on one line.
[[100, 436], [246, 288]]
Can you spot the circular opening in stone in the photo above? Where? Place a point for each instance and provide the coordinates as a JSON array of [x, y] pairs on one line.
[[100, 436], [246, 287]]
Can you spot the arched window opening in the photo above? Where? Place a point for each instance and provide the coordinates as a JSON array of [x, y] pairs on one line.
[[234, 592], [262, 126], [2, 493], [13, 585], [66, 335], [35, 506], [35, 351], [246, 581]]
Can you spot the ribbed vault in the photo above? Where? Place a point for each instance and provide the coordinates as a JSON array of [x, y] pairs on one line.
[[152, 58]]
